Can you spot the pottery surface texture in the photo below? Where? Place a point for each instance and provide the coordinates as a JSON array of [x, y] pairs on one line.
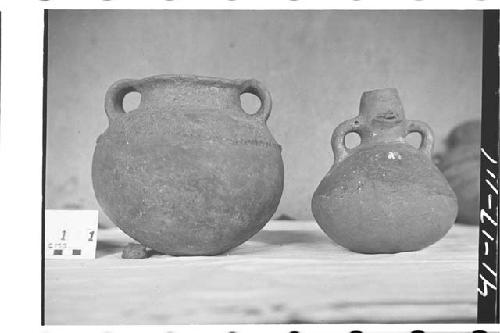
[[188, 172], [383, 196], [460, 164]]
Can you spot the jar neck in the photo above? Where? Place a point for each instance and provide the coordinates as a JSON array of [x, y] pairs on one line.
[[376, 134], [201, 96], [381, 116]]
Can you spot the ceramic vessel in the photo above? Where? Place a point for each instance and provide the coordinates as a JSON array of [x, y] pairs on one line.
[[188, 172], [383, 196], [460, 164]]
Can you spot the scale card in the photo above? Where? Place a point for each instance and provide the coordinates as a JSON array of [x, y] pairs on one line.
[[70, 234]]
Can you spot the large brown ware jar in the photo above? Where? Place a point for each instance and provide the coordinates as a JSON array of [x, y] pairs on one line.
[[383, 196], [188, 172]]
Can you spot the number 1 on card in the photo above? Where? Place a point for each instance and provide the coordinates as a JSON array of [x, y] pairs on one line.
[[70, 234]]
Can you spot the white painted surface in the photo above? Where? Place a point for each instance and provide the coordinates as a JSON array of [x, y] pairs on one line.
[[289, 272]]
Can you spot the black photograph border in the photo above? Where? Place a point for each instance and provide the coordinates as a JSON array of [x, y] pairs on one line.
[[487, 301], [44, 154], [488, 263]]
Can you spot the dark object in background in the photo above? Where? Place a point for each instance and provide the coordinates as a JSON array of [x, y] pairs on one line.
[[383, 196], [467, 133], [188, 172], [461, 166]]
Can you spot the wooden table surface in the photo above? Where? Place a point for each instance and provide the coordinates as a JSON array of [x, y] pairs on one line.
[[290, 272]]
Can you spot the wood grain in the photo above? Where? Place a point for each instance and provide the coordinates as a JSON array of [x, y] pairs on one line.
[[290, 272]]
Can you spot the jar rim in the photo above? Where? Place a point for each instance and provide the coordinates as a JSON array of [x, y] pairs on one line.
[[194, 79]]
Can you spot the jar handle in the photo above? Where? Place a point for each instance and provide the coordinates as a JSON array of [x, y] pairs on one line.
[[427, 144], [113, 104], [340, 151], [256, 88]]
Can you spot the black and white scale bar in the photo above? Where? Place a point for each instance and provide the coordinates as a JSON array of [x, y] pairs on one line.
[[67, 252]]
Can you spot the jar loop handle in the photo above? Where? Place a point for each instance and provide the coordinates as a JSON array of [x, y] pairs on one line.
[[256, 88], [113, 104], [427, 144], [340, 151]]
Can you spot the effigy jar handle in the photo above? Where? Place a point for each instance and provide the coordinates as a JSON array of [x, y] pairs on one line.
[[340, 151], [427, 144]]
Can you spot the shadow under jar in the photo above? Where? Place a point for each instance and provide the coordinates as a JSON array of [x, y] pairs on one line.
[[383, 196], [188, 172]]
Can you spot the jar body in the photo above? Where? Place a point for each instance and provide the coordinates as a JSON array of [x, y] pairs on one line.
[[188, 178], [384, 198]]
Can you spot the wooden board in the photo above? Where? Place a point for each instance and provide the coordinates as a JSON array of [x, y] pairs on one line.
[[290, 272]]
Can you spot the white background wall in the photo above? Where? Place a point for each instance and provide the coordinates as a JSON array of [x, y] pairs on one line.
[[315, 63]]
